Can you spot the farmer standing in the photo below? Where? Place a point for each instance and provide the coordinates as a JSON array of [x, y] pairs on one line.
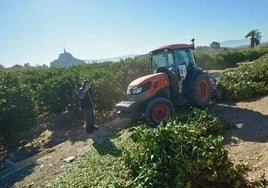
[[86, 105]]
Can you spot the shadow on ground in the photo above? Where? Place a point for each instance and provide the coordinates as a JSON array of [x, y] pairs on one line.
[[253, 125], [106, 146]]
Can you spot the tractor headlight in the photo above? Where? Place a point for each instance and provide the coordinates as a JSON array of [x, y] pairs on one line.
[[136, 90]]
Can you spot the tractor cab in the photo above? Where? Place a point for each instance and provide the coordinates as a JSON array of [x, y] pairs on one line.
[[176, 58], [177, 61]]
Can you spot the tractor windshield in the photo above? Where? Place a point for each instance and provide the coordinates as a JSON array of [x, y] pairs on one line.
[[162, 59], [184, 57]]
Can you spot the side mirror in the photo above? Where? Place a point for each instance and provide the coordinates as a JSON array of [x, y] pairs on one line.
[[193, 46]]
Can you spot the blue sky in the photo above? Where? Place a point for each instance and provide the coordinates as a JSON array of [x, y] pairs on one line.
[[36, 31]]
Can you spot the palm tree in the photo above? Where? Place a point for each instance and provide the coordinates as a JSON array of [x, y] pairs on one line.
[[255, 37]]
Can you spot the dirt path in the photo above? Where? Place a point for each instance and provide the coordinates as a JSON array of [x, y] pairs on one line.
[[71, 145], [249, 144]]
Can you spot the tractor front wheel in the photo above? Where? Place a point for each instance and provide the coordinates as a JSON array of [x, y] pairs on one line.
[[158, 109]]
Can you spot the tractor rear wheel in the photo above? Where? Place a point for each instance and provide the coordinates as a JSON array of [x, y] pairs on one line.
[[158, 109], [200, 92]]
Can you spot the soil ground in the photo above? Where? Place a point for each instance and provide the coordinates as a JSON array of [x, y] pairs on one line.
[[249, 143], [66, 137]]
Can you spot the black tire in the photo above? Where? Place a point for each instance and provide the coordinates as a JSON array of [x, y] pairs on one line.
[[200, 92], [158, 109]]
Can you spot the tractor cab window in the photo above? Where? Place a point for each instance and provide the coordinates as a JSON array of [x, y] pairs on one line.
[[184, 57], [162, 59], [170, 62]]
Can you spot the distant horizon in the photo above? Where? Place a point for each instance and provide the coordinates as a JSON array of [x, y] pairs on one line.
[[122, 56], [117, 58]]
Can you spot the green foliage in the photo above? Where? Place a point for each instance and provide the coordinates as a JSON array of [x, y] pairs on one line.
[[128, 70], [110, 80], [215, 45], [17, 106], [27, 92], [183, 153], [101, 166], [255, 37], [228, 58], [58, 92], [106, 89], [208, 61], [247, 81]]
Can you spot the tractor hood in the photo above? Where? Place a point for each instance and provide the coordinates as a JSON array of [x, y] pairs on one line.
[[146, 87], [149, 78]]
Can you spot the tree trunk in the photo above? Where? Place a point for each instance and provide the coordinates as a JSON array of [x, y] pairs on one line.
[[252, 40]]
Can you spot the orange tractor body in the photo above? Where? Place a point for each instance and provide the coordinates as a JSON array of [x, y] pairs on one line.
[[174, 80]]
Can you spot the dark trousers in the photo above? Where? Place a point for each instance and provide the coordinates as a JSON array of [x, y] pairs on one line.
[[89, 118]]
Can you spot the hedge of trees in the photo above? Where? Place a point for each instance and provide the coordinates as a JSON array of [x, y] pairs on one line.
[[228, 58], [247, 81], [28, 92]]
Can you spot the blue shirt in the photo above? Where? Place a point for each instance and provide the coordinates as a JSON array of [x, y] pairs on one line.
[[86, 102]]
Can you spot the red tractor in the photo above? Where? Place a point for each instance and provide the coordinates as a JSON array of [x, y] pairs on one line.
[[174, 80]]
